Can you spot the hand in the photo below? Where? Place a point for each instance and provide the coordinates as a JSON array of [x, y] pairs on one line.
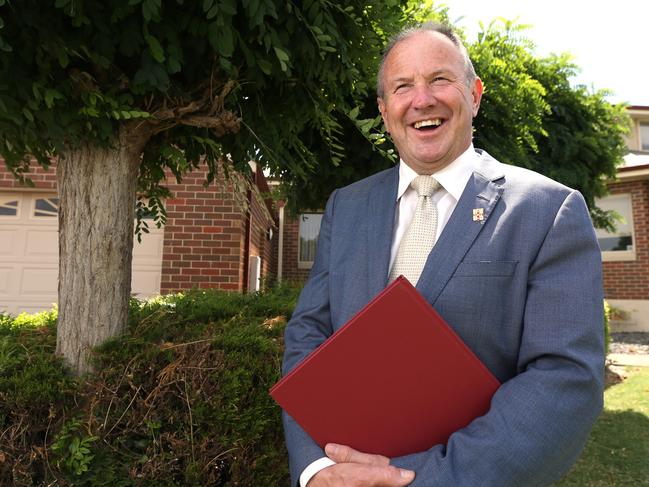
[[358, 469]]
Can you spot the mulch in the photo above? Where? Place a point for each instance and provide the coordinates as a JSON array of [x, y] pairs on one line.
[[629, 342]]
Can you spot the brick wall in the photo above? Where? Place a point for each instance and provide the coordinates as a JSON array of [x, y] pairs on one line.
[[42, 178], [204, 236], [208, 231], [263, 216], [630, 279]]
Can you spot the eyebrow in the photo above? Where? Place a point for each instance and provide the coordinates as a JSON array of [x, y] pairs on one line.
[[402, 79], [407, 79]]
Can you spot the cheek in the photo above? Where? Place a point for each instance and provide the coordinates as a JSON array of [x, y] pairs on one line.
[[393, 117], [386, 122]]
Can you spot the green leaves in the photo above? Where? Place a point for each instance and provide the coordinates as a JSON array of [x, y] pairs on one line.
[[221, 39], [226, 7], [83, 70], [257, 10], [155, 48], [151, 9], [74, 449], [283, 58]]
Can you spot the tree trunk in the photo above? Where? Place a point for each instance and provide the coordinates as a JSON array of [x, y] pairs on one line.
[[97, 189]]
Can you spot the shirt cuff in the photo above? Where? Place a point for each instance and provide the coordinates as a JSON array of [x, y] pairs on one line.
[[314, 468]]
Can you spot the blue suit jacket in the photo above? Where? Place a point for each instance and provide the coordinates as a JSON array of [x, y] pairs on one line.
[[522, 288]]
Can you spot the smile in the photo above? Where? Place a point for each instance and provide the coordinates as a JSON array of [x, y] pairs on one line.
[[430, 124]]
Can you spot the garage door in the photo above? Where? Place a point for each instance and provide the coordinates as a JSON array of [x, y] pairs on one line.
[[29, 254]]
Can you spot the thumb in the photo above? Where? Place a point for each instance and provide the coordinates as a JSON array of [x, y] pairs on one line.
[[395, 476]]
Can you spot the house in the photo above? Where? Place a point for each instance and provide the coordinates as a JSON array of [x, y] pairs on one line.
[[625, 252], [216, 237]]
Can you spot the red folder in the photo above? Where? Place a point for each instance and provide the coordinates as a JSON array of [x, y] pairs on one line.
[[394, 380]]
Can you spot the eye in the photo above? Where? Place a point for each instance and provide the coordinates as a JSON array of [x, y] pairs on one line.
[[400, 88]]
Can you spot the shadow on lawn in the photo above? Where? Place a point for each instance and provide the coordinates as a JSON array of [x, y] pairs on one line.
[[616, 453]]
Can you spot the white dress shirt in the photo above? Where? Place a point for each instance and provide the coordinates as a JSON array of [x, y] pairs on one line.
[[453, 179]]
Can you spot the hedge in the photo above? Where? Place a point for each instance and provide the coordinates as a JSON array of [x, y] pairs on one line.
[[180, 399]]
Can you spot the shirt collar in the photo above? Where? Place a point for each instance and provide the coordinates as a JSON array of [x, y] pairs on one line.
[[452, 178]]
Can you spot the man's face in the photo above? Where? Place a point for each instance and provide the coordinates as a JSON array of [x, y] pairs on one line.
[[427, 106]]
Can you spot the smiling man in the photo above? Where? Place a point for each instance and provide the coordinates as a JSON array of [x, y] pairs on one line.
[[508, 257]]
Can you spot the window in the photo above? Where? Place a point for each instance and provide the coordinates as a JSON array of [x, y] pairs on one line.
[[644, 136], [619, 244], [8, 207], [46, 207], [308, 238]]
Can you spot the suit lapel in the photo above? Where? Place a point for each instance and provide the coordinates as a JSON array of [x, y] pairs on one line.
[[481, 192], [382, 204]]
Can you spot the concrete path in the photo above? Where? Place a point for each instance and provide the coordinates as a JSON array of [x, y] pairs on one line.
[[633, 359]]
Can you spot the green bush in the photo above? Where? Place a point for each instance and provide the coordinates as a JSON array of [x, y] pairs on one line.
[[181, 399]]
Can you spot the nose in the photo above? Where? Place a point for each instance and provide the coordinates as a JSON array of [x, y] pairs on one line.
[[423, 96]]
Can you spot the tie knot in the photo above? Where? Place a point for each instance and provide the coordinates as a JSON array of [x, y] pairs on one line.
[[425, 185]]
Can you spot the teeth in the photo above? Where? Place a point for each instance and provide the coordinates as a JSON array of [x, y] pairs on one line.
[[428, 123]]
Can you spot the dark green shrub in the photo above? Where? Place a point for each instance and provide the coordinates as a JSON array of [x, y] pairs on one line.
[[182, 399]]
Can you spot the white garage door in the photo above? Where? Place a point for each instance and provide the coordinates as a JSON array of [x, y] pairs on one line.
[[29, 254]]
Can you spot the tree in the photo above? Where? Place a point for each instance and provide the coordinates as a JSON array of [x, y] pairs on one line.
[[119, 90]]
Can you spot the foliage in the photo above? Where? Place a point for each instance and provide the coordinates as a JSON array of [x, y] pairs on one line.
[[368, 152], [180, 400], [618, 448], [216, 79], [511, 113], [73, 449], [34, 389]]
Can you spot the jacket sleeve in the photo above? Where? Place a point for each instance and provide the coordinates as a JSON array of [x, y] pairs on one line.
[[540, 419], [309, 326]]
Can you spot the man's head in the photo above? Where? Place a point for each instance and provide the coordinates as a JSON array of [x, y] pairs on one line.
[[428, 94]]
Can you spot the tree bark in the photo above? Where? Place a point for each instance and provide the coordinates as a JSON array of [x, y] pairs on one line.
[[97, 189]]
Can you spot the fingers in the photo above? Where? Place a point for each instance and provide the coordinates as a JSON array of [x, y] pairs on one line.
[[361, 475], [346, 454]]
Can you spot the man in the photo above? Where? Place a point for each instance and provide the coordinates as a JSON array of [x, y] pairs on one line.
[[515, 270]]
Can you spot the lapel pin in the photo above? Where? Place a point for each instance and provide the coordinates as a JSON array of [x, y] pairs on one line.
[[478, 214]]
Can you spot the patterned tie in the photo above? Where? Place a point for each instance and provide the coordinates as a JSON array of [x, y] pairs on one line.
[[419, 238]]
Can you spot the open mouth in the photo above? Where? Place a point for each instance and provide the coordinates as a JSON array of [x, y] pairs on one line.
[[428, 125]]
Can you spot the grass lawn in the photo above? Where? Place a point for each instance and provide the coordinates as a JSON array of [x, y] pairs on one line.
[[617, 453]]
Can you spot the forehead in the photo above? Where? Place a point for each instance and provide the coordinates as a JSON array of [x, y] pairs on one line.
[[423, 52]]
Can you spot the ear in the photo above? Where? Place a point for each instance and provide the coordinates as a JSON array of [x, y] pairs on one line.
[[476, 94], [383, 111]]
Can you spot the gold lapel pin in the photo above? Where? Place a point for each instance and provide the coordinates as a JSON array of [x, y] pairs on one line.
[[478, 214]]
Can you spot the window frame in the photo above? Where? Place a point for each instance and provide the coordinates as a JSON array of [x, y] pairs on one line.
[[18, 207], [643, 145], [305, 264], [620, 255], [39, 214]]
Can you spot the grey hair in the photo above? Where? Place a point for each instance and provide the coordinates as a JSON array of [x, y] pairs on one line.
[[443, 29]]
